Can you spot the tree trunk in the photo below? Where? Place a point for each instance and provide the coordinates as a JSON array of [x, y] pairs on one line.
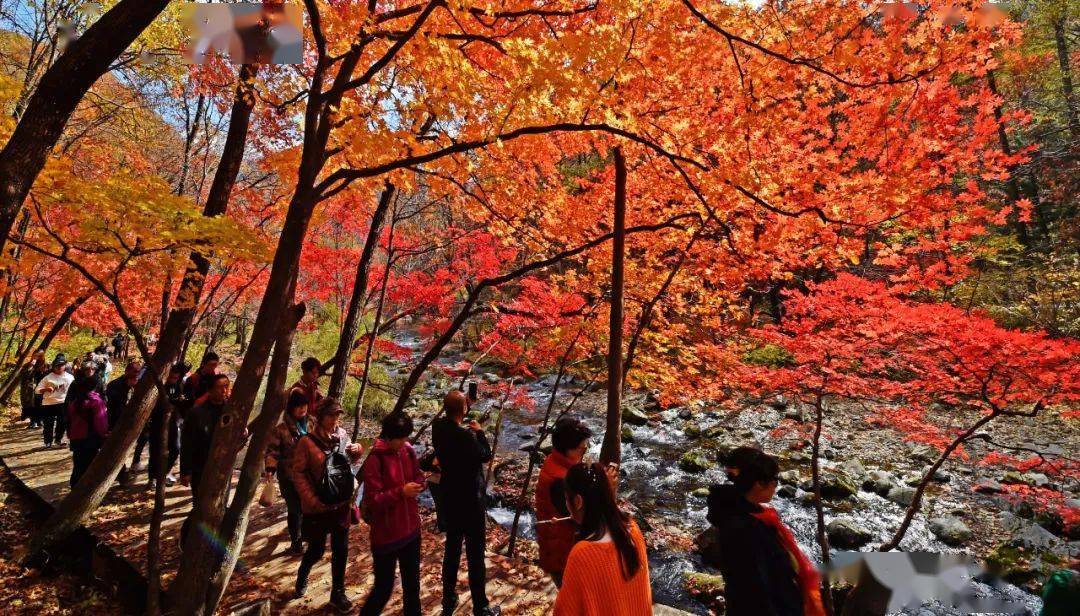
[[366, 378], [85, 497], [153, 543], [57, 327], [611, 450], [498, 430], [235, 521], [58, 93], [1062, 45], [819, 508], [356, 303]]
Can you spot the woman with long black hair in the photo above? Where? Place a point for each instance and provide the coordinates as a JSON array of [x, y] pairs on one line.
[[607, 573]]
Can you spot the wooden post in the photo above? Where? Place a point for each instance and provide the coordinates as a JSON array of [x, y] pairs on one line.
[[611, 450]]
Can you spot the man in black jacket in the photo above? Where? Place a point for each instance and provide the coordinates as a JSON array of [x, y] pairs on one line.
[[462, 451], [166, 414], [195, 440]]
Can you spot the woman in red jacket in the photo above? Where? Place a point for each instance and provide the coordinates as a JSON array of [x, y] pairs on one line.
[[392, 481], [322, 519], [556, 532]]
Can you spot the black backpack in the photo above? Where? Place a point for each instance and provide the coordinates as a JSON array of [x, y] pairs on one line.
[[338, 482]]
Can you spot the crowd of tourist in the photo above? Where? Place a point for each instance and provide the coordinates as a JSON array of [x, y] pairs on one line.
[[593, 551]]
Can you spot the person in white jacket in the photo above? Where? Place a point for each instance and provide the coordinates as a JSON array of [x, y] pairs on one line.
[[54, 390]]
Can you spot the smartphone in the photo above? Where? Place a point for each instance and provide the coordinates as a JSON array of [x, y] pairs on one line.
[[474, 391]]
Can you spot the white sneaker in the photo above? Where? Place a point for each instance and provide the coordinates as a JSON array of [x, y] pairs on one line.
[[170, 479]]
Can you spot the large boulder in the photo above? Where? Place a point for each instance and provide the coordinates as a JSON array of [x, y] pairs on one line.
[[951, 531], [855, 470], [846, 534], [901, 495], [838, 486], [696, 461]]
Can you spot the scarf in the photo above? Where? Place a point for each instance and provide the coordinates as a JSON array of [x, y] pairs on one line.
[[809, 580]]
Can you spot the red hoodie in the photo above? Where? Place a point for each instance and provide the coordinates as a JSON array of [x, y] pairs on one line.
[[395, 518], [558, 538]]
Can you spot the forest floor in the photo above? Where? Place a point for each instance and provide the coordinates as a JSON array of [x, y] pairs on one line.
[[266, 569]]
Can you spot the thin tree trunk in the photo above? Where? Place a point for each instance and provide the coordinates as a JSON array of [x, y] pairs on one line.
[[611, 449], [85, 497], [356, 303], [153, 543], [58, 93], [1061, 43], [366, 378], [498, 430], [819, 507], [235, 521]]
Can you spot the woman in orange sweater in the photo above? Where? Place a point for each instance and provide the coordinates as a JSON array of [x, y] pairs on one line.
[[607, 573]]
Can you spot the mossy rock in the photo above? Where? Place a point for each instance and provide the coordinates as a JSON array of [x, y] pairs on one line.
[[696, 461], [706, 589], [634, 417], [701, 492], [627, 435], [838, 486]]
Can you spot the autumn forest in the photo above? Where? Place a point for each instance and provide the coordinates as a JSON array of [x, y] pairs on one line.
[[844, 234]]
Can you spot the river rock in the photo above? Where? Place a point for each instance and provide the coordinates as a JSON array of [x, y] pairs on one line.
[[923, 452], [901, 495], [634, 416], [951, 531], [837, 486], [627, 434], [879, 482], [796, 413], [789, 477], [706, 588], [787, 491], [940, 476], [491, 377], [708, 546], [685, 413], [696, 461], [701, 492], [988, 486], [1013, 477], [779, 402], [846, 534], [854, 470], [1037, 479]]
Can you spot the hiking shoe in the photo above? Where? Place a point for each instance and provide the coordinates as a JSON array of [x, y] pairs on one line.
[[170, 479], [301, 588], [340, 602], [296, 547]]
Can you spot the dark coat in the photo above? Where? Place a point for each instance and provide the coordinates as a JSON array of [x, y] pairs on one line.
[[462, 453], [759, 574], [117, 393], [195, 441]]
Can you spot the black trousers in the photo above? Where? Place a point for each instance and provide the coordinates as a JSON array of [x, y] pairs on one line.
[[52, 417], [83, 451], [140, 445], [408, 559], [473, 535], [172, 440], [316, 530], [293, 516]]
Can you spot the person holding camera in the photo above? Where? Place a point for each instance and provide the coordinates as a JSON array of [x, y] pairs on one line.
[[463, 449], [324, 480]]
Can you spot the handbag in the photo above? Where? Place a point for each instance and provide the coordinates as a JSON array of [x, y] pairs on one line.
[[267, 498]]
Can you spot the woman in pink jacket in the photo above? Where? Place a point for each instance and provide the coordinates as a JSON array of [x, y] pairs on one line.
[[88, 424], [392, 481]]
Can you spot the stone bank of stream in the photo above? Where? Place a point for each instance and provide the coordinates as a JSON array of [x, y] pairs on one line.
[[669, 461]]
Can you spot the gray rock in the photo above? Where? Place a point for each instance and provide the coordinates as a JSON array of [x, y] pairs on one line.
[[940, 476], [988, 486], [787, 491], [846, 534], [491, 377], [779, 403], [901, 495], [951, 531], [855, 470], [836, 486], [1035, 537], [789, 477], [923, 452], [634, 416], [1037, 479], [797, 413], [879, 482], [685, 413]]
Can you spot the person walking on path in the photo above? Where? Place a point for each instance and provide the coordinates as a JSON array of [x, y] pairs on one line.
[[117, 395], [392, 481], [195, 440], [765, 571], [325, 483], [167, 411], [54, 389], [307, 386], [462, 451], [295, 424], [29, 400], [196, 385], [607, 572], [88, 423], [557, 532]]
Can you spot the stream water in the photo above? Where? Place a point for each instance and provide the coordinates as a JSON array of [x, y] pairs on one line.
[[664, 494]]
